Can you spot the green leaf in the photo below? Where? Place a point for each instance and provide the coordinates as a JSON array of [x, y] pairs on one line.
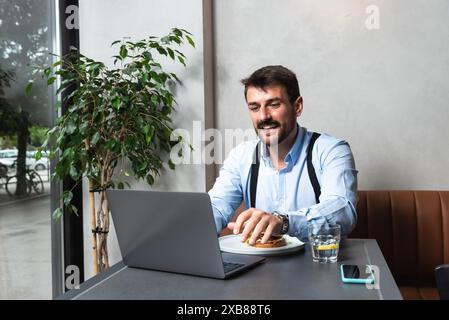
[[161, 51], [73, 173], [50, 81], [150, 179], [38, 154], [185, 31], [57, 214], [117, 58], [181, 59], [171, 53], [74, 210], [110, 144], [142, 167], [168, 99], [71, 127], [190, 40], [148, 133], [176, 39], [47, 71], [115, 42], [165, 40], [84, 127], [155, 99], [67, 197], [116, 103], [171, 165], [176, 78], [177, 32], [180, 53], [123, 52], [155, 77], [29, 87], [95, 138], [148, 138], [166, 110], [147, 55]]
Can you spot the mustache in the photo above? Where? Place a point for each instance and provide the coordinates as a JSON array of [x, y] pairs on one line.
[[268, 122]]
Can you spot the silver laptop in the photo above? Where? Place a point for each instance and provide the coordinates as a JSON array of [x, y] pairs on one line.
[[172, 231]]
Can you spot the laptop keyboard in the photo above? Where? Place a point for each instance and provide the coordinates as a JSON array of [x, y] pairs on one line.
[[229, 266]]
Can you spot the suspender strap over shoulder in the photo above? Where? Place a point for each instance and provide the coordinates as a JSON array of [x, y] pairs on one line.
[[311, 169], [254, 176]]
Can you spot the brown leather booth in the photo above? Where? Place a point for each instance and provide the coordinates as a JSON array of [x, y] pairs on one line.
[[412, 230]]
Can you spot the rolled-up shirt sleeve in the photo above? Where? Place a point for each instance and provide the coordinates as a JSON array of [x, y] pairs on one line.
[[338, 199], [226, 194]]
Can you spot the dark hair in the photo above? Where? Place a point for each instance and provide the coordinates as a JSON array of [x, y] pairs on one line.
[[274, 75]]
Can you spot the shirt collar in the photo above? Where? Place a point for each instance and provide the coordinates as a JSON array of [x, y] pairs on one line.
[[293, 155]]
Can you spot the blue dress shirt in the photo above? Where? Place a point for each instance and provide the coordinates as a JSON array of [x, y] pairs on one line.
[[289, 190]]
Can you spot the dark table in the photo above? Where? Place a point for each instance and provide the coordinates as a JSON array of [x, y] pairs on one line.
[[294, 276]]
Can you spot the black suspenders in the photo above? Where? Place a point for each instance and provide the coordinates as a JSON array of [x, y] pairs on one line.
[[254, 176], [310, 169]]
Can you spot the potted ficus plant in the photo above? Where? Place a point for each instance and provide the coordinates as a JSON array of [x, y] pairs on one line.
[[114, 114]]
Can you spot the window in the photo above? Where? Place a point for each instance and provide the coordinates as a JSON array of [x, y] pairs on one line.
[[26, 37]]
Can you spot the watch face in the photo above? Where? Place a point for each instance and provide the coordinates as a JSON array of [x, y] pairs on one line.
[[285, 222], [285, 227]]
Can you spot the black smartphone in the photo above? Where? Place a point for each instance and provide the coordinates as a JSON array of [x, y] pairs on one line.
[[357, 273]]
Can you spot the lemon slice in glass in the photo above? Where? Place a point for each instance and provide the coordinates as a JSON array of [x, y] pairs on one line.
[[327, 246]]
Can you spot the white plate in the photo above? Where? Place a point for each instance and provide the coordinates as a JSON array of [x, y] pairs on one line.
[[233, 244]]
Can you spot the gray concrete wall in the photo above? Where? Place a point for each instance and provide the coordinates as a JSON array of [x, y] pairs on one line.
[[384, 90], [102, 22]]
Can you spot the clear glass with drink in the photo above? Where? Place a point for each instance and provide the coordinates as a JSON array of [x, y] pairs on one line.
[[324, 240]]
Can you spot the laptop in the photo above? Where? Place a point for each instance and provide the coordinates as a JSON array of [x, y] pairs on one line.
[[173, 232]]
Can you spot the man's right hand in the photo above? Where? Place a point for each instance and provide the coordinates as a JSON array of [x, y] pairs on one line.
[[254, 222]]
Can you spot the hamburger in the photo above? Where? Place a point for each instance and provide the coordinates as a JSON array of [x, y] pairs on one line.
[[272, 242]]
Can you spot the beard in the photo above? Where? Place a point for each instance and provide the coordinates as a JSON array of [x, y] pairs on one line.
[[272, 133]]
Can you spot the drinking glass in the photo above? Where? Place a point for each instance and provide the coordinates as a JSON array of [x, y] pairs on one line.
[[324, 240]]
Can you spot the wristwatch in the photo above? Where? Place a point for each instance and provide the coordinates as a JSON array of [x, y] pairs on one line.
[[285, 221]]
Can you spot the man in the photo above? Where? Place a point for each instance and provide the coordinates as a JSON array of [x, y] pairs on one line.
[[285, 199]]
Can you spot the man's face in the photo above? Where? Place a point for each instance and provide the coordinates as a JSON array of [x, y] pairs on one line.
[[272, 114]]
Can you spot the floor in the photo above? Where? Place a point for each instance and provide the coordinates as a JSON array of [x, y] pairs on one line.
[[25, 249]]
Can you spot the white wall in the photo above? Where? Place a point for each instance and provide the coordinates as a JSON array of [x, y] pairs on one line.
[[385, 91], [102, 22]]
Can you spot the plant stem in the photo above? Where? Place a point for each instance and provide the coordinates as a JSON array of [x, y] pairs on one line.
[[92, 219]]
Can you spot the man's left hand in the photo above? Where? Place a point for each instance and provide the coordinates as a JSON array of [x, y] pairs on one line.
[[253, 222]]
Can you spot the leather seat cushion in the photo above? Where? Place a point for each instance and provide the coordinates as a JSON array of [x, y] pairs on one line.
[[419, 293]]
